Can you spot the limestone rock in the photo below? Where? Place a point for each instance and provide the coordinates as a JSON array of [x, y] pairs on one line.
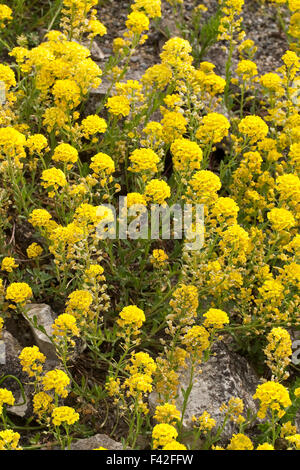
[[44, 318], [223, 376], [10, 365], [99, 440], [96, 52]]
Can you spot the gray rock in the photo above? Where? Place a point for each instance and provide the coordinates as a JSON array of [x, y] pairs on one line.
[[105, 85], [44, 318], [10, 365], [96, 52], [223, 376], [99, 440]]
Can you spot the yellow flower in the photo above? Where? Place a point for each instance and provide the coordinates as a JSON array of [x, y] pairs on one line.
[[173, 126], [297, 392], [66, 93], [94, 272], [185, 300], [18, 292], [53, 178], [281, 219], [152, 8], [137, 22], [287, 429], [176, 53], [295, 439], [254, 128], [135, 199], [65, 153], [187, 155], [214, 127], [196, 339], [143, 160], [174, 445], [215, 318], [240, 442], [271, 290], [34, 250], [157, 191], [163, 434], [6, 397], [157, 76], [102, 164], [272, 82], [247, 69], [93, 125], [118, 105], [31, 360], [203, 187], [235, 239], [159, 258], [225, 209], [272, 395], [37, 143], [294, 5], [42, 404], [8, 264], [40, 218], [64, 415], [132, 316], [79, 303], [9, 439], [65, 324], [279, 348], [288, 186], [166, 413], [7, 75], [56, 380], [265, 446], [205, 423], [95, 28], [5, 14], [138, 383]]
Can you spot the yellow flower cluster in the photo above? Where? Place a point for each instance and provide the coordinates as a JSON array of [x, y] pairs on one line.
[[157, 191], [278, 352], [273, 396], [5, 15], [8, 264], [131, 317], [215, 318], [93, 125], [32, 361], [34, 250], [64, 415], [163, 434], [18, 292], [214, 127], [6, 398], [64, 325], [9, 440], [187, 155], [144, 161], [56, 380], [159, 258], [167, 413]]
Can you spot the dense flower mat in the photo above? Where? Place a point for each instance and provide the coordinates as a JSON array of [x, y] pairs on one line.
[[145, 309]]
